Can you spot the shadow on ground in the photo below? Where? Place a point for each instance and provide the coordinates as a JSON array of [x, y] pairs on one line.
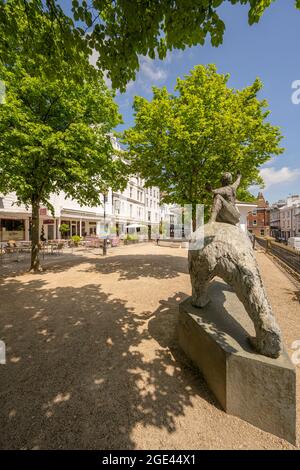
[[136, 266], [131, 266], [293, 294], [76, 376]]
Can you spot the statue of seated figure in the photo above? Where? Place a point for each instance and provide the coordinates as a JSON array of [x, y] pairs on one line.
[[228, 253], [223, 209]]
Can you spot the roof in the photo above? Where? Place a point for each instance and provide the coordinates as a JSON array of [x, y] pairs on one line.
[[243, 203]]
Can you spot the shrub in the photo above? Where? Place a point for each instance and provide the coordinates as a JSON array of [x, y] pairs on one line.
[[131, 237], [76, 239]]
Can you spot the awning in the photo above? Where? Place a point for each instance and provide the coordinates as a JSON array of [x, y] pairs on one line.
[[135, 226]]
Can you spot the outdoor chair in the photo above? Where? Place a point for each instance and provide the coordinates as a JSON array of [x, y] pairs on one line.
[[59, 247], [11, 247]]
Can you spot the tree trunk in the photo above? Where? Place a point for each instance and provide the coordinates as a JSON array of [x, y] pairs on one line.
[[35, 237], [194, 217]]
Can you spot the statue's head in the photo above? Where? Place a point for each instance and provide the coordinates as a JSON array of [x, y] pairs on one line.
[[226, 179]]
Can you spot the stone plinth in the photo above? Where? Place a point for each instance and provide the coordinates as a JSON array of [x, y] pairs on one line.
[[256, 388]]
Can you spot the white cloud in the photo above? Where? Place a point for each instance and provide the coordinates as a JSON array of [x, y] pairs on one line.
[[130, 85], [94, 57], [173, 56], [93, 61], [107, 80], [271, 176], [151, 71], [149, 74]]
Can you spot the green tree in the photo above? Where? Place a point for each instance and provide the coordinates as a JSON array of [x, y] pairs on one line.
[[120, 31], [57, 114], [55, 137], [182, 141], [40, 33]]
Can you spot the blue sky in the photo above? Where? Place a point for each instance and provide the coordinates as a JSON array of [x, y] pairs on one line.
[[268, 50]]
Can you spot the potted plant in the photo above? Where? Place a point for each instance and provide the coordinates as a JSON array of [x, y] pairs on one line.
[[130, 239], [76, 240]]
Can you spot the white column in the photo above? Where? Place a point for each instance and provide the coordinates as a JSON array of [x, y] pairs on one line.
[[98, 228], [58, 225], [80, 227]]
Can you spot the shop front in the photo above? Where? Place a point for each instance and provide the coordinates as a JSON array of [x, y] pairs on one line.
[[82, 228], [14, 228], [80, 223]]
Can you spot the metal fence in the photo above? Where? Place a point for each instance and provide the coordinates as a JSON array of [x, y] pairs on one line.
[[261, 241], [288, 255]]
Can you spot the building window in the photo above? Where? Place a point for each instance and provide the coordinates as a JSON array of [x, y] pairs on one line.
[[262, 232], [117, 206], [130, 210], [149, 216], [254, 222], [130, 191], [12, 229], [254, 212], [92, 228]]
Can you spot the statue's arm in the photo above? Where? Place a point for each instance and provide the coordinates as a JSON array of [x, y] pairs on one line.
[[237, 181], [221, 191]]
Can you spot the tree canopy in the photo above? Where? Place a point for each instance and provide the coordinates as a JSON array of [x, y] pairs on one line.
[[182, 141], [55, 122], [55, 136], [38, 35], [120, 30]]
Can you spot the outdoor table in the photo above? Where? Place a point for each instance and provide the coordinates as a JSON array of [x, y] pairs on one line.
[[24, 246]]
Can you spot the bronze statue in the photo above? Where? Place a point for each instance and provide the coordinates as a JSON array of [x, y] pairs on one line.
[[228, 253], [223, 209]]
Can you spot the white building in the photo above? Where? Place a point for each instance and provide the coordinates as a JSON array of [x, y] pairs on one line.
[[275, 228], [289, 220], [14, 219], [136, 206], [244, 208]]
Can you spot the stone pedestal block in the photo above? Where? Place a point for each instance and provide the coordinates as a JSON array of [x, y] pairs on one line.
[[256, 388]]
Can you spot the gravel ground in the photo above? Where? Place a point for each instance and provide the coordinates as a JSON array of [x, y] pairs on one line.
[[93, 363]]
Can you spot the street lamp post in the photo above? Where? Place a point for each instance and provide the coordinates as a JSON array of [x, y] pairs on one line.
[[105, 236]]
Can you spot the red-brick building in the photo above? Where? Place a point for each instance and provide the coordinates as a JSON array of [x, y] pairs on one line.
[[258, 220]]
